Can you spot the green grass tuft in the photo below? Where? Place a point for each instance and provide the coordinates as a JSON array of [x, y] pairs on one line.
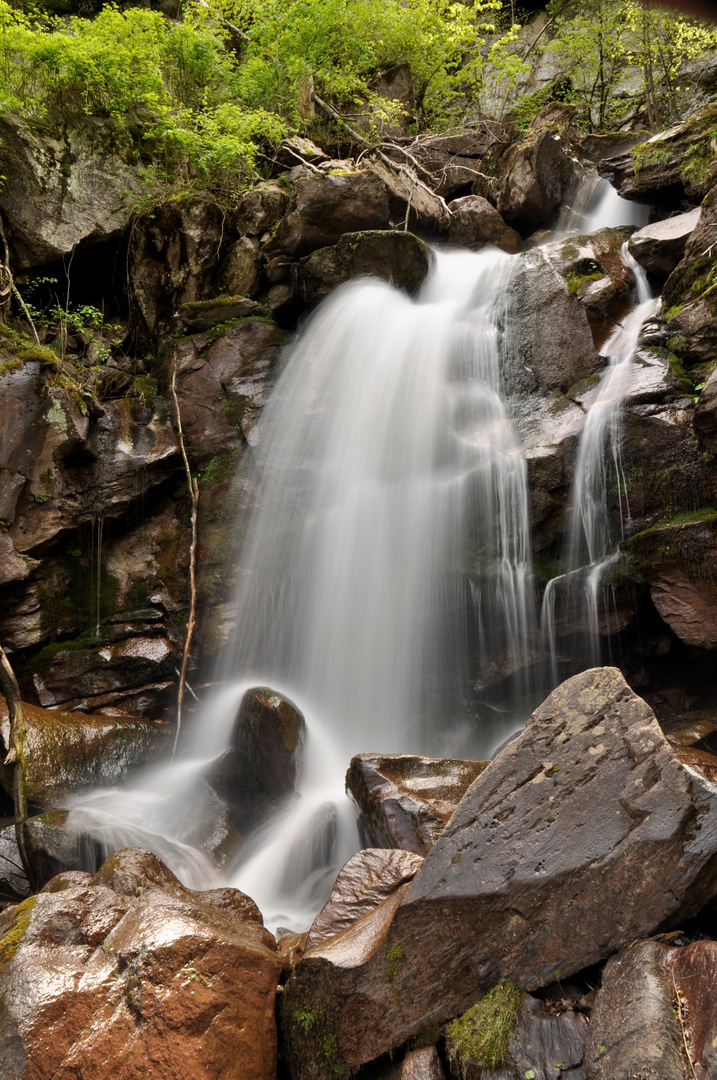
[[482, 1035]]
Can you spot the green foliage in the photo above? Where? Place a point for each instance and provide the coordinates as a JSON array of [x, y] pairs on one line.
[[305, 1020], [482, 1035]]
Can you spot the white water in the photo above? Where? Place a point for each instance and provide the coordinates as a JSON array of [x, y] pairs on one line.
[[592, 548], [392, 511], [596, 205]]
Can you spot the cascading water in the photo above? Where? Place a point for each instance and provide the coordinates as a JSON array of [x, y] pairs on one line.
[[392, 515], [591, 547], [595, 204]]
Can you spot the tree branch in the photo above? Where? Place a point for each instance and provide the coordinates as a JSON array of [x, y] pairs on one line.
[[16, 756]]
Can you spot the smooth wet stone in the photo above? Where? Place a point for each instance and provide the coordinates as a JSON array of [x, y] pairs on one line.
[[586, 833], [129, 974], [364, 882], [474, 223], [406, 800]]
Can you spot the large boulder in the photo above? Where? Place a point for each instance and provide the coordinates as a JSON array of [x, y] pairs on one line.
[[705, 420], [70, 752], [474, 222], [655, 1006], [585, 833], [323, 208], [63, 190], [689, 303], [660, 246], [364, 882], [405, 800], [128, 973], [534, 175], [398, 257], [680, 563]]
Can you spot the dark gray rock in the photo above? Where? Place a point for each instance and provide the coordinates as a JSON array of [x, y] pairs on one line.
[[660, 246], [584, 834], [534, 175], [323, 208], [705, 420], [474, 223], [398, 257]]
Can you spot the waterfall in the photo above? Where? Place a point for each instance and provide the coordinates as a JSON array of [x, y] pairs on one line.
[[391, 522], [591, 546], [595, 204]]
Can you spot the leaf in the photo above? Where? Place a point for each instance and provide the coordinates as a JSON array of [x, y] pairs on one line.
[[530, 1074]]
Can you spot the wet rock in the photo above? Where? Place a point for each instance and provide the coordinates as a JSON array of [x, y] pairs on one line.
[[534, 175], [62, 191], [131, 663], [239, 274], [680, 563], [417, 1065], [705, 420], [364, 882], [290, 948], [474, 223], [553, 353], [405, 800], [398, 257], [222, 385], [655, 999], [546, 1044], [264, 758], [675, 164], [203, 314], [523, 883], [129, 967], [323, 208], [660, 246], [172, 260], [67, 752], [410, 203]]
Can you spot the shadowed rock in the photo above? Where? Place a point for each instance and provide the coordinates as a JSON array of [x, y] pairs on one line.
[[584, 834], [398, 257], [323, 208], [705, 420], [475, 223], [659, 247], [406, 800]]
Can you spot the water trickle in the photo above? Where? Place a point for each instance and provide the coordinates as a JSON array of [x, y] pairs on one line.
[[595, 204], [592, 548]]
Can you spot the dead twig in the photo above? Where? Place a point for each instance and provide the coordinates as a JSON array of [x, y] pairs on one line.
[[680, 1011], [16, 757], [193, 486]]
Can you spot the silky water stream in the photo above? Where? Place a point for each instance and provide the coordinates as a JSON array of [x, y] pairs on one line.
[[388, 546]]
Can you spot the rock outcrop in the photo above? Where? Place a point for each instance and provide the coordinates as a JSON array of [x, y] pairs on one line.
[[522, 883], [405, 800], [534, 175], [689, 301], [128, 973], [475, 223], [70, 752], [706, 415], [398, 257], [323, 208], [660, 246]]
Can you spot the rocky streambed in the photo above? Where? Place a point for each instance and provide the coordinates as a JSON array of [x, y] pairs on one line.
[[557, 922]]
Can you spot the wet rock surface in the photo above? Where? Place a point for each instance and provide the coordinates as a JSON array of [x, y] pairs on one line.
[[323, 208], [406, 800], [364, 882], [398, 257], [593, 751], [534, 175], [475, 223], [660, 247], [128, 973], [705, 420], [68, 752]]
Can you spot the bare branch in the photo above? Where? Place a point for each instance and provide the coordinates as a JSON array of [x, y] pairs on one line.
[[16, 756]]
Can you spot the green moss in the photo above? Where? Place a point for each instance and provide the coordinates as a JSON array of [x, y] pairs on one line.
[[330, 1053], [482, 1035], [396, 958], [11, 942], [10, 363], [575, 279]]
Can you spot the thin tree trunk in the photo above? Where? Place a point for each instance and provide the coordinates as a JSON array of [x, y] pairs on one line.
[[193, 486], [16, 757]]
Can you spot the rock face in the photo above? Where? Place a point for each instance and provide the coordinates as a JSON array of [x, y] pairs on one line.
[[705, 420], [534, 175], [323, 208], [522, 878], [405, 800], [363, 883], [655, 1002], [688, 301], [474, 223], [128, 973], [61, 192], [659, 247], [398, 257], [67, 752], [680, 563]]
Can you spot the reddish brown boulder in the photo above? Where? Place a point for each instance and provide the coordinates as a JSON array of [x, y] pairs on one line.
[[417, 1065], [406, 800], [364, 882], [655, 1006], [474, 223], [128, 975], [585, 833]]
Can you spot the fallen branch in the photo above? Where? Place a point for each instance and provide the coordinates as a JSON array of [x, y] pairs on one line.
[[10, 286], [193, 486], [16, 756]]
